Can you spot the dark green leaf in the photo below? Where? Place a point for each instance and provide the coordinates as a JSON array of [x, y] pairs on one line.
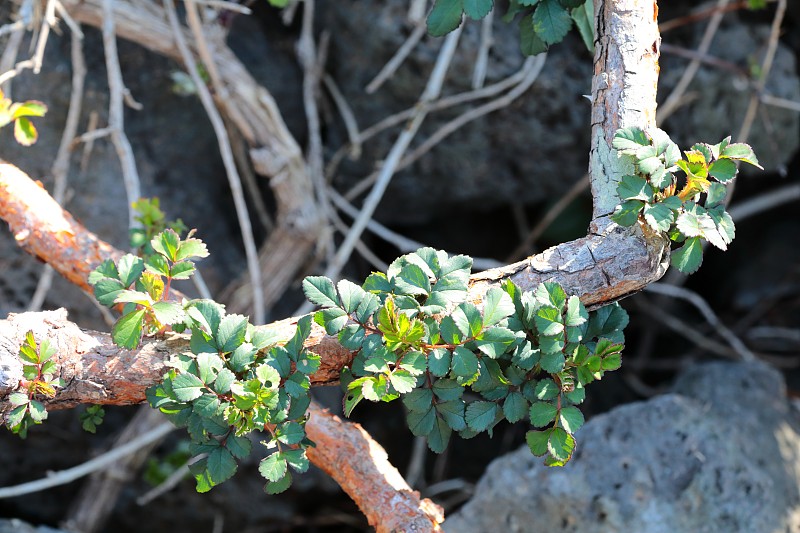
[[542, 413], [127, 331], [187, 387], [688, 258], [350, 295], [377, 283], [130, 267], [477, 9], [716, 194], [549, 321], [723, 170], [515, 407], [537, 441], [495, 341], [418, 400], [166, 243], [297, 459], [413, 362], [497, 306], [627, 213], [333, 319], [221, 465], [445, 17], [439, 362], [584, 21], [421, 423], [290, 432], [207, 314], [319, 290], [552, 363], [276, 487], [634, 188], [658, 216], [106, 291], [465, 363], [629, 140], [724, 223], [561, 444], [308, 363], [468, 319], [551, 21], [529, 41], [439, 436], [453, 413], [231, 332], [742, 152], [480, 415], [576, 314], [571, 419], [447, 389], [240, 447]]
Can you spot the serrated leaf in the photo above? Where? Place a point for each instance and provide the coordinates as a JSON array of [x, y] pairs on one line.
[[231, 332], [333, 319], [377, 282], [412, 280], [240, 447], [439, 362], [127, 331], [515, 407], [629, 140], [723, 170], [166, 243], [576, 314], [130, 267], [187, 387], [635, 188], [530, 43], [182, 270], [477, 9], [724, 223], [421, 423], [464, 363], [207, 313], [418, 400], [290, 432], [561, 444], [612, 362], [742, 152], [350, 295], [168, 313], [402, 381], [495, 341], [497, 306], [716, 195], [444, 17], [553, 362], [439, 436], [537, 441], [191, 248], [308, 363], [627, 213], [548, 321], [607, 321], [221, 465], [480, 415], [276, 487], [414, 362], [658, 216], [273, 467], [447, 389], [208, 366], [319, 290], [688, 258], [37, 411], [551, 21], [546, 389], [542, 413], [453, 414], [571, 419], [297, 459], [583, 16]]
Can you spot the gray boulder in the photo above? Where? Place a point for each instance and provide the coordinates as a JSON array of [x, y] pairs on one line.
[[720, 454]]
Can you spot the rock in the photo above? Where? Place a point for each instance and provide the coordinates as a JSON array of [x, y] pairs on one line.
[[720, 454]]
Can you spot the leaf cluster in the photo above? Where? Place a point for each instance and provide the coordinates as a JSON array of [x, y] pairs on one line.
[[39, 380], [19, 112], [688, 209], [235, 378], [541, 22], [464, 369], [153, 221]]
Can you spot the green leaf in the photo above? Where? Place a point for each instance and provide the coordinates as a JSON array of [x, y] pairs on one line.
[[584, 21], [221, 465], [127, 331], [515, 407], [561, 444], [418, 400], [413, 281], [477, 9], [208, 366], [629, 140], [319, 290], [276, 487], [465, 363], [571, 419], [37, 411], [130, 267], [350, 295], [231, 332], [742, 152], [542, 413], [607, 321], [552, 294], [31, 108], [548, 321], [308, 363], [634, 188], [551, 21], [497, 306], [612, 362], [166, 243], [402, 381], [627, 213], [273, 467], [480, 415], [546, 389], [439, 436], [716, 195], [297, 459], [445, 17], [187, 387], [576, 314], [439, 362], [240, 447], [447, 389], [191, 248], [658, 216], [723, 170], [529, 41], [333, 319], [168, 313], [688, 258], [453, 413], [207, 314], [421, 423], [290, 432], [377, 282], [182, 270], [537, 441], [553, 362], [495, 341], [414, 363], [25, 132], [724, 223]]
